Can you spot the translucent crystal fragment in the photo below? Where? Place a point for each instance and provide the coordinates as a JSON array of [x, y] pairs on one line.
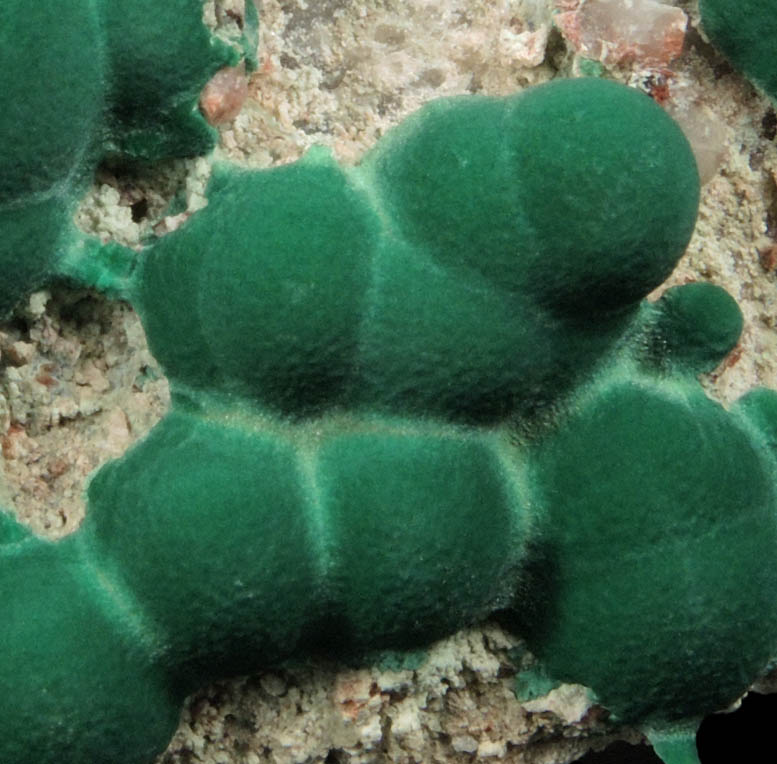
[[618, 32]]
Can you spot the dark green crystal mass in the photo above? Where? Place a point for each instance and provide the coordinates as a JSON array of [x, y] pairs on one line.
[[405, 395], [120, 79], [745, 31]]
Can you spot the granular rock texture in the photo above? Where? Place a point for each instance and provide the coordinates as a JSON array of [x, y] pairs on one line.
[[458, 704]]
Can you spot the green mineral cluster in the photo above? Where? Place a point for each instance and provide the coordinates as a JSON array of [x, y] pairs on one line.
[[471, 268], [405, 396], [745, 31], [118, 78]]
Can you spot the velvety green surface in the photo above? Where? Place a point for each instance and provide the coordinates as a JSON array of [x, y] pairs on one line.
[[420, 296], [692, 326], [685, 495], [404, 396], [298, 267], [86, 81], [745, 31], [549, 211], [77, 681]]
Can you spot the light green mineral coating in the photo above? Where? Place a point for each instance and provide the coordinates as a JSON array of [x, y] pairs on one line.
[[745, 31], [676, 745], [405, 396], [97, 78]]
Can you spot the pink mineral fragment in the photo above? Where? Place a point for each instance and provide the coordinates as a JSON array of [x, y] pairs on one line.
[[224, 94], [706, 133], [618, 32]]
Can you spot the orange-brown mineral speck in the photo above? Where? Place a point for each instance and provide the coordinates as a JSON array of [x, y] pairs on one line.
[[223, 96]]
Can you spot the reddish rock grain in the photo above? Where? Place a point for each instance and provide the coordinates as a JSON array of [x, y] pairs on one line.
[[224, 95], [616, 33]]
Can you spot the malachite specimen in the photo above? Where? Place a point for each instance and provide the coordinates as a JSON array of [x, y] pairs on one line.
[[405, 396], [745, 31], [473, 267], [92, 79]]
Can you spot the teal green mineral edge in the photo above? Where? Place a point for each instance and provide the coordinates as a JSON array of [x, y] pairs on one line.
[[533, 682], [675, 746], [87, 82], [405, 396], [745, 31]]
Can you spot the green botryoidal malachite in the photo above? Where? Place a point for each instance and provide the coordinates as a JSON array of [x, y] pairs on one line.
[[118, 78], [746, 33], [405, 396]]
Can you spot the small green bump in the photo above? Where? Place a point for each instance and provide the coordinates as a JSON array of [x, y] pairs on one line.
[[105, 267], [590, 67], [693, 326]]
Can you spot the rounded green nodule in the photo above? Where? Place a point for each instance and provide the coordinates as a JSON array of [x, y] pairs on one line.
[[694, 325], [661, 515], [582, 192]]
